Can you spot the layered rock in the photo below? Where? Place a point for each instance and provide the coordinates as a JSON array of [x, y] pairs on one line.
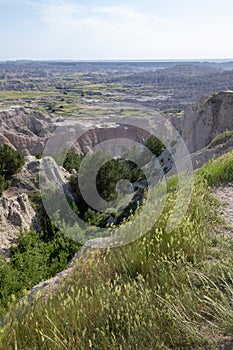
[[15, 213], [100, 133], [28, 131], [25, 130], [210, 117]]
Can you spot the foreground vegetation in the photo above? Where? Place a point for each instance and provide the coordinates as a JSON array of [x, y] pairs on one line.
[[164, 291], [37, 257]]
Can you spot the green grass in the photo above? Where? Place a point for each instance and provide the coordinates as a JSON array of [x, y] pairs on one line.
[[221, 139], [219, 171], [16, 95], [163, 291]]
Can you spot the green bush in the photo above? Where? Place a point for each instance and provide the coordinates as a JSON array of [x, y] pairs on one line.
[[155, 145], [11, 162], [33, 260], [107, 178], [72, 160]]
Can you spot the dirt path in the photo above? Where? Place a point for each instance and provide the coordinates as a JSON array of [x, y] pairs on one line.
[[225, 195]]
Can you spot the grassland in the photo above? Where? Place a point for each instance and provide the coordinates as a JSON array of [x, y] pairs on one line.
[[21, 95], [164, 291], [77, 96]]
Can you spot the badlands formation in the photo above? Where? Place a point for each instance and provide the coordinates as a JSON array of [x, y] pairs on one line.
[[28, 132]]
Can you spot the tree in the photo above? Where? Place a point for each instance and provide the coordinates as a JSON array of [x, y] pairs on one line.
[[109, 174], [155, 145], [72, 160], [11, 162]]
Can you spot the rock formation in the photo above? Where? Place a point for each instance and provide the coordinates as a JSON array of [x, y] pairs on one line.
[[15, 213], [28, 131], [25, 130], [212, 116]]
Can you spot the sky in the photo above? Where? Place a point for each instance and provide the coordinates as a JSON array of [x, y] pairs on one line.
[[122, 29]]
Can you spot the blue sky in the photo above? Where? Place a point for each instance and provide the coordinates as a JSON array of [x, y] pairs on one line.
[[129, 29]]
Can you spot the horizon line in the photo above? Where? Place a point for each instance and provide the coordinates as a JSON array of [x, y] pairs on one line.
[[117, 60]]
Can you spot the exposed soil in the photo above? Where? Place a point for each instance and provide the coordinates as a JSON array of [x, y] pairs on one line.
[[225, 195]]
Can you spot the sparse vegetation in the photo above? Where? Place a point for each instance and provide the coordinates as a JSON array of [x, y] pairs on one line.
[[221, 138]]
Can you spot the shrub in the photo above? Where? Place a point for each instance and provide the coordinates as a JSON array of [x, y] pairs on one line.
[[155, 145], [32, 261], [72, 160], [11, 162], [109, 174]]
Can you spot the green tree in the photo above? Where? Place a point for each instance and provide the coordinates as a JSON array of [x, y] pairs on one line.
[[11, 162], [155, 145], [72, 160], [109, 174]]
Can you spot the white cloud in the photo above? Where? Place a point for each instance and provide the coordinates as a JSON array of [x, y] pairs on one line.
[[129, 13], [101, 32], [66, 29], [69, 30]]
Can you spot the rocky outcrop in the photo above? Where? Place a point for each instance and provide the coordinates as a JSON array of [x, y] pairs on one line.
[[15, 213], [28, 178], [201, 157], [210, 117], [26, 130], [103, 132]]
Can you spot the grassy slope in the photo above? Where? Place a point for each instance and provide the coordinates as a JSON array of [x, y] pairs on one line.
[[164, 291]]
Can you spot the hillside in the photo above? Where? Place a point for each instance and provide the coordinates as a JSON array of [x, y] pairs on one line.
[[163, 291]]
